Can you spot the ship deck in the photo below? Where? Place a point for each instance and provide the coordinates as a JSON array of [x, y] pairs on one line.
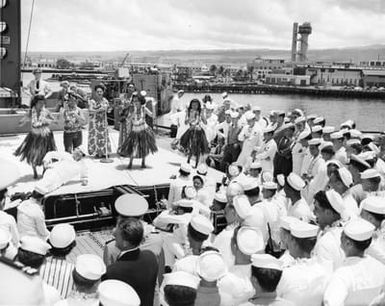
[[160, 167]]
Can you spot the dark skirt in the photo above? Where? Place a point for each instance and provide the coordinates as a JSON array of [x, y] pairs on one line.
[[139, 144], [34, 147], [194, 141]]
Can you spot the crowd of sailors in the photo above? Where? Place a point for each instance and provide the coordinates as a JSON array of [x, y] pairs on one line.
[[298, 219]]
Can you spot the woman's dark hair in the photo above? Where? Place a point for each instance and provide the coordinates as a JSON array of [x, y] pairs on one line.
[[207, 98], [197, 236], [323, 201], [36, 99], [62, 252], [191, 103], [142, 99], [101, 86], [30, 259], [180, 295], [268, 279], [81, 282]]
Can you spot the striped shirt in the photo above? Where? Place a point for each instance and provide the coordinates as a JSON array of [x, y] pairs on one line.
[[57, 272]]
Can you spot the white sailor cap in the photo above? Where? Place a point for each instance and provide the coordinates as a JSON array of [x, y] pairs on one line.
[[10, 173], [233, 170], [35, 245], [355, 133], [234, 115], [256, 165], [345, 131], [302, 229], [250, 184], [318, 120], [181, 91], [311, 117], [304, 134], [5, 238], [256, 218], [266, 261], [359, 229], [41, 187], [256, 108], [267, 176], [220, 197], [351, 142], [373, 147], [234, 189], [114, 292], [281, 112], [209, 106], [201, 224], [286, 221], [295, 181], [374, 204], [224, 95], [250, 240], [334, 162], [202, 169], [249, 115], [348, 123], [186, 168], [190, 192], [131, 205], [314, 142], [269, 185], [335, 201], [359, 160], [367, 136], [281, 180], [242, 206], [300, 120], [187, 203], [228, 112], [286, 126], [269, 129], [370, 173], [337, 135], [316, 129], [181, 278], [368, 155], [211, 266], [62, 235], [90, 266], [346, 176], [328, 129], [273, 113], [326, 144], [298, 111]]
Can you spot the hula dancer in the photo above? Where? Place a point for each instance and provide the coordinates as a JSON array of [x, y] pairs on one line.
[[194, 140], [40, 139], [141, 140]]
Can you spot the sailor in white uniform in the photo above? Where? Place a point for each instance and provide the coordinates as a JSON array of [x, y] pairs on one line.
[[265, 155], [300, 150], [327, 131], [285, 224], [338, 142], [251, 136], [328, 208], [304, 282], [360, 278], [176, 185], [373, 211], [114, 292], [297, 206]]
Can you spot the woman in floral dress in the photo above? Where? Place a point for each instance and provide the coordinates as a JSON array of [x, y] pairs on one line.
[[98, 140]]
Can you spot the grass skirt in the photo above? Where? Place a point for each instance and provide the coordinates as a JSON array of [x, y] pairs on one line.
[[194, 141], [139, 144], [35, 146]]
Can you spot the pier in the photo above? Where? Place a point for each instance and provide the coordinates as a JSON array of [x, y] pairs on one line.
[[282, 90]]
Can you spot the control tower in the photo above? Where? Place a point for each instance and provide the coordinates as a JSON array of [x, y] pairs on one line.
[[304, 31]]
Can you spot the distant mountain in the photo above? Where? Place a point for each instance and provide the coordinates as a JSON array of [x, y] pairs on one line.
[[237, 57]]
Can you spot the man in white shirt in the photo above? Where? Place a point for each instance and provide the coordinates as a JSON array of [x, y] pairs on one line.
[[250, 136], [38, 86], [268, 150], [297, 206], [176, 103], [299, 151], [360, 278], [373, 211], [328, 208], [338, 142], [304, 282]]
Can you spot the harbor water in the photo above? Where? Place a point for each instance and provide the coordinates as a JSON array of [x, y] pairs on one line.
[[368, 114]]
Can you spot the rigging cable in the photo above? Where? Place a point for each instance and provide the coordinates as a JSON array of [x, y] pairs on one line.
[[29, 32]]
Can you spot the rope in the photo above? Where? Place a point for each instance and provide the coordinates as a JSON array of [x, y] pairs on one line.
[[29, 32]]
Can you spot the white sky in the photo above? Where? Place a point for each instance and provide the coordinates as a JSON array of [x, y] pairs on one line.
[[109, 25]]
